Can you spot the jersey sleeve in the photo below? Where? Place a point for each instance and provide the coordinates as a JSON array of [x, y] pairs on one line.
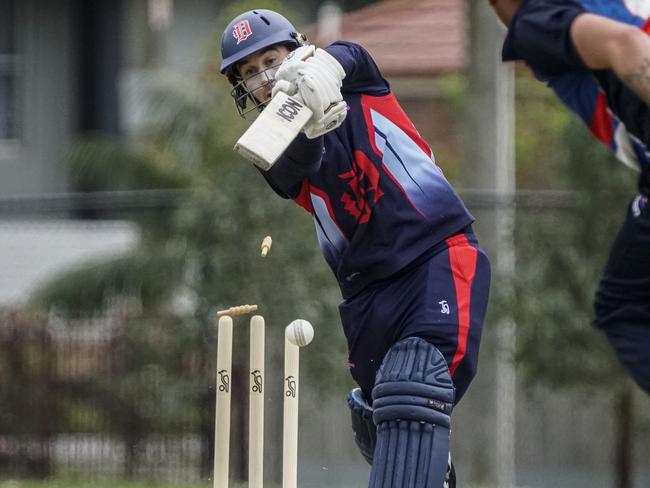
[[302, 158], [540, 35], [361, 72]]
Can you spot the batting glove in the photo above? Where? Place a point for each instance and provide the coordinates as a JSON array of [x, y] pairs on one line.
[[328, 63], [333, 118], [317, 79]]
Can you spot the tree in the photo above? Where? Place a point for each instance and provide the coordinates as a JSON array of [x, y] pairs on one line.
[[197, 257], [561, 255]]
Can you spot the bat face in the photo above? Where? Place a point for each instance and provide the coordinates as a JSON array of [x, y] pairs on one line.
[[272, 132], [276, 127]]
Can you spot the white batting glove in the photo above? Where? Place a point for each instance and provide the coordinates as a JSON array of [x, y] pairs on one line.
[[317, 79], [333, 118], [284, 86], [289, 70], [300, 54], [328, 63], [290, 67]]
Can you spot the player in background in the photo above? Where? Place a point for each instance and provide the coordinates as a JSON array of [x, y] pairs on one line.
[[595, 56], [394, 232]]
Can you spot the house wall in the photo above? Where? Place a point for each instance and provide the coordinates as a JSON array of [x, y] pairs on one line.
[[46, 105]]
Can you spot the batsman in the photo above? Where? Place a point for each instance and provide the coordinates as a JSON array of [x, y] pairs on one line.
[[396, 235]]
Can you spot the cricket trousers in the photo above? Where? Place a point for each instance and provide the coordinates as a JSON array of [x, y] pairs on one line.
[[622, 304], [442, 300]]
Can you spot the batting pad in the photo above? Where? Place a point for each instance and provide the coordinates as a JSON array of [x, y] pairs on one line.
[[413, 398]]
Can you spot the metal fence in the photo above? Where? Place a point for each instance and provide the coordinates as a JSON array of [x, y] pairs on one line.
[[75, 399], [126, 395]]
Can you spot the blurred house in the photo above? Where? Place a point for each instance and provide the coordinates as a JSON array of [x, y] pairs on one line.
[[65, 70], [69, 68], [64, 67], [61, 65], [415, 44]]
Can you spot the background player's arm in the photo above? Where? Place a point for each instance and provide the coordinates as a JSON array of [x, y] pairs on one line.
[[603, 43]]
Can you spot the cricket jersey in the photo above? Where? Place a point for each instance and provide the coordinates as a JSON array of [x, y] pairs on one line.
[[378, 200], [539, 34]]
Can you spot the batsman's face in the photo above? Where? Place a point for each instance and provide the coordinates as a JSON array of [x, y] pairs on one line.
[[258, 71]]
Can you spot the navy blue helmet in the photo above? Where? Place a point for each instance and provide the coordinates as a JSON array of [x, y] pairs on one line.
[[253, 31], [249, 33]]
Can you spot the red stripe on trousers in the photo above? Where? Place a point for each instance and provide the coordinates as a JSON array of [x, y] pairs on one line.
[[462, 258]]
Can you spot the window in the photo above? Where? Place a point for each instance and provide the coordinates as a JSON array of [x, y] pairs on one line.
[[9, 72]]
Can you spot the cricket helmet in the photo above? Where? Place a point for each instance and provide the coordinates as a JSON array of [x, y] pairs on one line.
[[249, 33], [253, 31]]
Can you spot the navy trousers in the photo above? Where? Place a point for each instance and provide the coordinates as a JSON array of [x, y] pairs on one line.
[[622, 305], [442, 300]]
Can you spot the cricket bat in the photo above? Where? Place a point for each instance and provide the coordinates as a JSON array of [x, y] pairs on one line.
[[277, 126], [272, 132]]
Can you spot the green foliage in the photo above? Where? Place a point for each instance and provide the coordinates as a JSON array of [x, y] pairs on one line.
[[541, 122], [97, 163], [146, 274], [190, 261], [560, 256], [453, 88]]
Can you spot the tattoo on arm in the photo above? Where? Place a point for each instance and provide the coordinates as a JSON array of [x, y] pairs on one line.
[[640, 78]]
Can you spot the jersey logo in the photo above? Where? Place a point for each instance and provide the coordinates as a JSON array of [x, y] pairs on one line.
[[242, 31], [363, 188]]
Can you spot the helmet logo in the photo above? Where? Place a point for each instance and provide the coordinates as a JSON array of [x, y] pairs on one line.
[[242, 31]]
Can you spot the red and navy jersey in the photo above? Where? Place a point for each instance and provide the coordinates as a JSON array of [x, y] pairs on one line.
[[539, 34], [378, 200]]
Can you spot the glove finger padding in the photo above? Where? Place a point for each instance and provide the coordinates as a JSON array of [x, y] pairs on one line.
[[291, 72], [328, 63], [300, 54], [284, 86], [317, 90], [317, 75], [318, 93], [289, 68], [334, 116]]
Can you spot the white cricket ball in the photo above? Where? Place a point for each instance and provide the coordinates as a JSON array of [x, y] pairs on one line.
[[299, 332]]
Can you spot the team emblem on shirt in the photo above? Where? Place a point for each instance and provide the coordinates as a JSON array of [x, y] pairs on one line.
[[242, 31], [363, 188]]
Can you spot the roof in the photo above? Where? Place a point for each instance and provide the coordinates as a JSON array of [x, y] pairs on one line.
[[409, 37]]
